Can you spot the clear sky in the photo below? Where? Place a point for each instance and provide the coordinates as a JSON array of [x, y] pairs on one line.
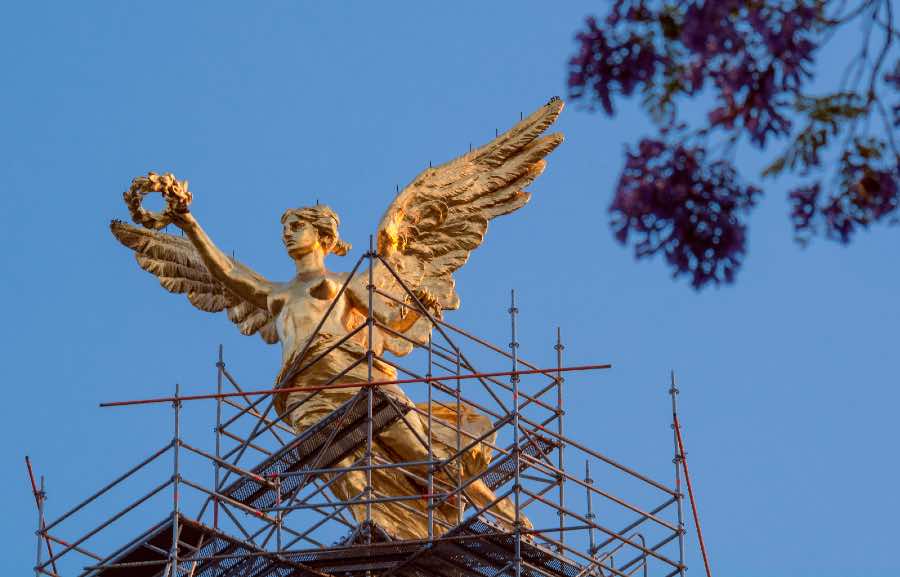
[[789, 379]]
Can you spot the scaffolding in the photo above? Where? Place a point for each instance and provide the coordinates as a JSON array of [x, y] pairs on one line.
[[269, 511]]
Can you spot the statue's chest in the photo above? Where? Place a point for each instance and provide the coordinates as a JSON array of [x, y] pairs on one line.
[[302, 303]]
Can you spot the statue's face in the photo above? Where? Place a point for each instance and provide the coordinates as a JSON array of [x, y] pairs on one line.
[[299, 236]]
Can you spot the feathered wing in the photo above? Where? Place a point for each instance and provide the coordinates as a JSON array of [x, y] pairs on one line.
[[178, 265], [437, 220]]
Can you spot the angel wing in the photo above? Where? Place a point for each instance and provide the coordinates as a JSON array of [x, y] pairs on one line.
[[180, 270], [431, 227]]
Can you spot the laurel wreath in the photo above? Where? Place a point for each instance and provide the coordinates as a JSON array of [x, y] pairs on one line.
[[175, 192]]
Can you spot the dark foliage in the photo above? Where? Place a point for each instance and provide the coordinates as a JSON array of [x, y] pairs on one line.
[[754, 59], [670, 199], [867, 194]]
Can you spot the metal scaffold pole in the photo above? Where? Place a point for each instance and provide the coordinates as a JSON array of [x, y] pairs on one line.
[[589, 483], [39, 495], [679, 504], [220, 369], [514, 379], [43, 536], [559, 347], [682, 454], [458, 393], [176, 478], [430, 447], [370, 391]]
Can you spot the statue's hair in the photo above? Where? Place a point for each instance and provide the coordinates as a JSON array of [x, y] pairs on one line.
[[326, 223]]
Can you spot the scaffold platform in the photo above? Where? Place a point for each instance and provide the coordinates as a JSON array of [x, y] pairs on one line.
[[319, 447], [473, 549], [202, 552]]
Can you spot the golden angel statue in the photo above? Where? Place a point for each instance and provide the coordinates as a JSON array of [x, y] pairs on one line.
[[426, 234]]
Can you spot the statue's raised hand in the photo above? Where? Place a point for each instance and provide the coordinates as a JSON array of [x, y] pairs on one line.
[[191, 264], [175, 192]]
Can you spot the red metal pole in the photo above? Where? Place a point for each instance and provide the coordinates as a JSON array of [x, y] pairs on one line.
[[687, 478], [38, 497], [352, 385]]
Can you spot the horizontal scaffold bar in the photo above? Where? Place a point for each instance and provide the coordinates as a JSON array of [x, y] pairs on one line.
[[283, 390]]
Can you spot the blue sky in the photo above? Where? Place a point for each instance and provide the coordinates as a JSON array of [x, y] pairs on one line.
[[788, 378]]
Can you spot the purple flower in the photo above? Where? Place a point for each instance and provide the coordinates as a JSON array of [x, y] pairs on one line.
[[754, 59], [605, 65], [669, 200], [872, 197], [868, 194], [752, 67], [755, 54], [708, 28]]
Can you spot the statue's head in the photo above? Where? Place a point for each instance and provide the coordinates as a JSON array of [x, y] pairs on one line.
[[312, 228]]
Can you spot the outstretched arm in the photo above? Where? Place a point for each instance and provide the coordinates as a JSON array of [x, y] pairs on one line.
[[238, 279]]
